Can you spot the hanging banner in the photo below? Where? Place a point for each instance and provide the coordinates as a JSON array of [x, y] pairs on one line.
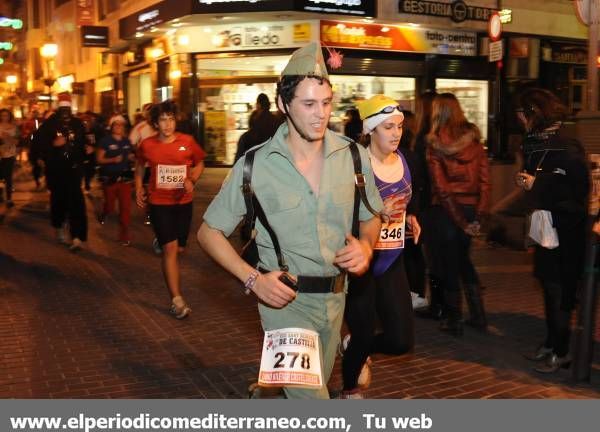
[[85, 12], [397, 38]]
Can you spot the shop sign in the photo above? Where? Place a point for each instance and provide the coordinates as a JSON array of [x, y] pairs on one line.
[[85, 12], [94, 36], [457, 11], [64, 82], [104, 84], [152, 16], [15, 23], [362, 8], [287, 34], [397, 38], [366, 8], [567, 53], [505, 16]]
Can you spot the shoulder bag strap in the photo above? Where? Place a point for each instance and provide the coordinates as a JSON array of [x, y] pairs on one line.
[[254, 209], [360, 193]]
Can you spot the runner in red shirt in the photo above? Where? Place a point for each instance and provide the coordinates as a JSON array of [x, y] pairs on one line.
[[176, 163]]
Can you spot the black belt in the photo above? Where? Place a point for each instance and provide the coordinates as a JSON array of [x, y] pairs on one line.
[[318, 284]]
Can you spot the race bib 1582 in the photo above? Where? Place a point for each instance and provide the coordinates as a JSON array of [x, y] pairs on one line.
[[170, 176]]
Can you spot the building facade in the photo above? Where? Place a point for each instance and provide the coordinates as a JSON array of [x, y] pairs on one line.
[[215, 57]]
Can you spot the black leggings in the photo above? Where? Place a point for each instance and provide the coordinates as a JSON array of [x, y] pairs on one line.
[[387, 297], [7, 166]]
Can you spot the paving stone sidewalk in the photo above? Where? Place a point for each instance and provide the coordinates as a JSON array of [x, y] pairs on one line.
[[94, 324]]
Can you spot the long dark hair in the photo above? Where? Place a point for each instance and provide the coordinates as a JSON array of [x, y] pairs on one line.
[[541, 108]]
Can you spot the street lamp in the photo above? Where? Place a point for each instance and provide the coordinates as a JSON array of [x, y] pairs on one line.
[[11, 80], [48, 51]]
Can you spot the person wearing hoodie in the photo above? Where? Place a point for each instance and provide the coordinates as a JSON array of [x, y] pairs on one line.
[[460, 185]]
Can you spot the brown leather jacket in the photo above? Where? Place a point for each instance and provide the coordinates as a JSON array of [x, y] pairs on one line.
[[459, 173]]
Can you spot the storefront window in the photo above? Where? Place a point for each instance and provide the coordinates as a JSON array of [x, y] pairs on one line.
[[229, 87], [139, 91], [228, 91], [473, 98], [349, 89]]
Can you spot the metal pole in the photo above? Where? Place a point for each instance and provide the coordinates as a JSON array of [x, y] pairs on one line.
[[592, 74], [584, 332]]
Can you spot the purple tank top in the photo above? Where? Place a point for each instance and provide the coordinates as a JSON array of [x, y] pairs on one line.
[[383, 259]]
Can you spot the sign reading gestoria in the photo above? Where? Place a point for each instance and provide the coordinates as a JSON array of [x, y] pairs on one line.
[[457, 11], [397, 38]]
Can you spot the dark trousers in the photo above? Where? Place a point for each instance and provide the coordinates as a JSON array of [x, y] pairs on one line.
[[388, 298], [36, 170], [557, 320], [7, 166], [67, 203], [415, 266], [89, 170], [455, 262]]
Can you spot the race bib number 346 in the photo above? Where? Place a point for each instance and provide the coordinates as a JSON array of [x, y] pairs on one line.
[[170, 176], [290, 357], [391, 235]]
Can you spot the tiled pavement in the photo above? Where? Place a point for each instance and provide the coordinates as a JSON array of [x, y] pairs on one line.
[[95, 324]]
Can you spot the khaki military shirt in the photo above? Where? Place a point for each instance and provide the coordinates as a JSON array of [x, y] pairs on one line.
[[310, 229]]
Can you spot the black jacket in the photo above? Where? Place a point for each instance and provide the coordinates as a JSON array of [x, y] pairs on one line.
[[63, 164], [562, 187]]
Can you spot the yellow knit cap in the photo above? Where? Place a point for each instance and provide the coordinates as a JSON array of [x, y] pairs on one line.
[[374, 105]]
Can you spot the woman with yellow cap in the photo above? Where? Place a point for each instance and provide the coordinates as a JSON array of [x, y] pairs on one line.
[[383, 291]]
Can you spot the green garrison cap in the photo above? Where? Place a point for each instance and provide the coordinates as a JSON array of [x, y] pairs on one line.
[[307, 61]]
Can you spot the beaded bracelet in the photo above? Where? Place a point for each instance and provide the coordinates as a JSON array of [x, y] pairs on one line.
[[250, 282]]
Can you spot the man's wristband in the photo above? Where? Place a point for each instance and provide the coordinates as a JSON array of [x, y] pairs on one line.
[[250, 282]]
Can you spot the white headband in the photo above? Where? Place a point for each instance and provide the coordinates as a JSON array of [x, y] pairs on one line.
[[370, 123]]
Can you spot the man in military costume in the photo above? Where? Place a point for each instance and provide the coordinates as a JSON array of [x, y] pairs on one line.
[[303, 178]]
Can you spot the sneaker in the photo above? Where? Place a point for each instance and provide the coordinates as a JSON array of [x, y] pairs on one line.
[[180, 312], [345, 343], [156, 247], [76, 245], [351, 394], [553, 364], [418, 302], [147, 221]]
